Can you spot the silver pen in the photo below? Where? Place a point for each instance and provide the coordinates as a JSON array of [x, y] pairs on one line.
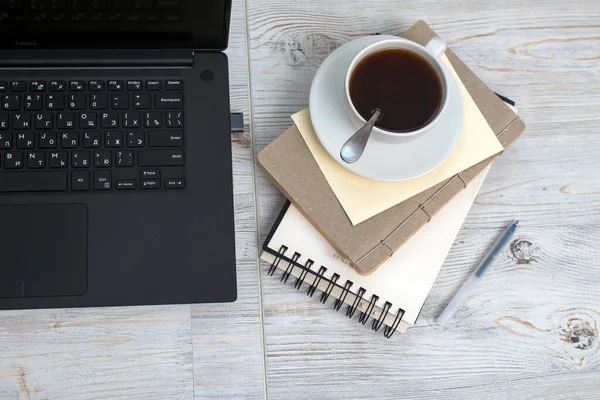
[[466, 288]]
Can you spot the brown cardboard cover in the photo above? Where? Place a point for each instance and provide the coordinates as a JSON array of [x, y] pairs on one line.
[[289, 164]]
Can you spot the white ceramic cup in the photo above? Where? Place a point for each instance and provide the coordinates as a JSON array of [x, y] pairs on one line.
[[431, 52]]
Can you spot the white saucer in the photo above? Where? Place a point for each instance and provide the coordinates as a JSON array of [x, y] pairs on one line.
[[385, 158]]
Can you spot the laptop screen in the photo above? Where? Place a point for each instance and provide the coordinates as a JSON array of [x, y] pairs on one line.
[[110, 24]]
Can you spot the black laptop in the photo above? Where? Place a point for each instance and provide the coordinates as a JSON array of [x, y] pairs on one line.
[[115, 153]]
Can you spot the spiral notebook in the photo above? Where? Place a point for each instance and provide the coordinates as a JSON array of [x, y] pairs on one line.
[[367, 245], [393, 295]]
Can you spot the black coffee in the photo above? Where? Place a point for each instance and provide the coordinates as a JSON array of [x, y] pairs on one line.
[[402, 84]]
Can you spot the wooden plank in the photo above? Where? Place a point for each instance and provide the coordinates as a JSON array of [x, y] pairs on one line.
[[530, 330], [227, 338], [93, 353]]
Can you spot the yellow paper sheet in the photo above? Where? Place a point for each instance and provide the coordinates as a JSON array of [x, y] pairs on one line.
[[363, 198]]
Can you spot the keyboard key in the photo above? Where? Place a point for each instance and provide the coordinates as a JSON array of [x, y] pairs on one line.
[[33, 102], [58, 159], [79, 5], [103, 159], [115, 86], [38, 86], [21, 121], [58, 17], [80, 159], [131, 119], [126, 184], [174, 119], [36, 159], [77, 86], [142, 101], [160, 158], [102, 180], [69, 140], [174, 183], [3, 86], [87, 120], [58, 86], [134, 139], [91, 140], [174, 85], [114, 16], [43, 121], [4, 121], [65, 120], [96, 86], [110, 119], [55, 102], [153, 119], [13, 160], [153, 85], [120, 101], [47, 140], [77, 101], [33, 181], [150, 184], [135, 85], [18, 86], [150, 173], [99, 101], [113, 139], [165, 138], [5, 141], [25, 140], [80, 180], [124, 158], [98, 5], [168, 101], [172, 18], [11, 102]]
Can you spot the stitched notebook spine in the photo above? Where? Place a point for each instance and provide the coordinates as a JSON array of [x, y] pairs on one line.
[[314, 280]]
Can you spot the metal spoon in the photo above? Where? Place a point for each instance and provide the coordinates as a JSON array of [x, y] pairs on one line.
[[354, 147]]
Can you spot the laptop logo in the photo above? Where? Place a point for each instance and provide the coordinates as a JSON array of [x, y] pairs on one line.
[[27, 43]]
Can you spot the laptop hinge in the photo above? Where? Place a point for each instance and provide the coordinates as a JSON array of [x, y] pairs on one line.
[[96, 58]]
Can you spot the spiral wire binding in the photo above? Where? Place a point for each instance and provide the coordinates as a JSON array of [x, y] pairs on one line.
[[305, 270], [340, 302], [364, 315], [384, 312], [277, 260], [332, 283], [359, 296], [290, 267], [389, 330], [313, 287], [325, 295]]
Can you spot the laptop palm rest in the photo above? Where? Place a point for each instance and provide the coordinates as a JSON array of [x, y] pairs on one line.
[[43, 250]]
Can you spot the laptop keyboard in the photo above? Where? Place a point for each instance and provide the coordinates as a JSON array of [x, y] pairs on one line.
[[91, 135], [149, 11]]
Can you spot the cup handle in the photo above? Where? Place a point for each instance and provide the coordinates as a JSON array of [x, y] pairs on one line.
[[436, 47]]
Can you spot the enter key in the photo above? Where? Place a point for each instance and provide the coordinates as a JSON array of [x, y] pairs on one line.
[[165, 138]]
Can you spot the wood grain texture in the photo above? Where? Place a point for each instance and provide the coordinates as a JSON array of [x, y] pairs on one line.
[[227, 338], [530, 330]]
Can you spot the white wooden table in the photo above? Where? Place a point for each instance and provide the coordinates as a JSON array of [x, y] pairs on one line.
[[530, 330]]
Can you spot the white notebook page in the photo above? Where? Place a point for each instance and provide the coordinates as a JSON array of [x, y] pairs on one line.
[[406, 278]]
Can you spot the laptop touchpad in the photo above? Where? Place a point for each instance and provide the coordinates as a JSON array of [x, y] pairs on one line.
[[43, 250]]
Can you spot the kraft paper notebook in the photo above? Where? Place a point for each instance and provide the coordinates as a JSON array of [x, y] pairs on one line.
[[289, 164], [391, 297], [362, 198]]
